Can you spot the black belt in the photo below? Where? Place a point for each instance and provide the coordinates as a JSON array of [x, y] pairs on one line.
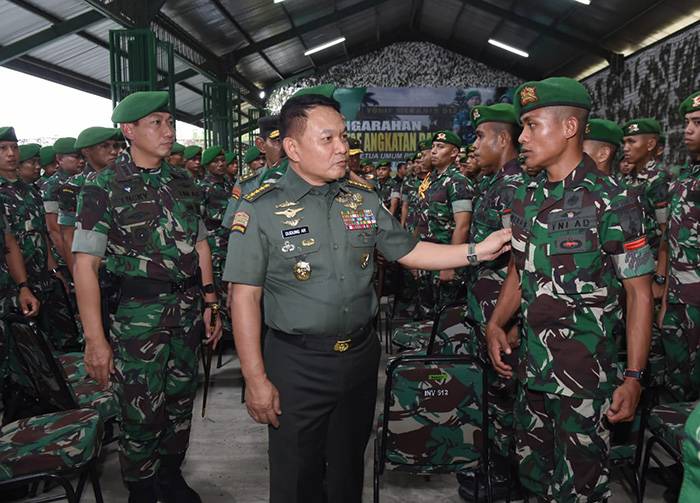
[[324, 342], [145, 288]]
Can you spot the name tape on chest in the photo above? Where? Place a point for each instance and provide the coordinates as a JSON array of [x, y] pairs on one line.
[[297, 231], [356, 220]]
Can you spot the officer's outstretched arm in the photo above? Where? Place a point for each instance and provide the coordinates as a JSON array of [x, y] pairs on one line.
[[433, 256], [638, 321], [261, 396], [98, 353]]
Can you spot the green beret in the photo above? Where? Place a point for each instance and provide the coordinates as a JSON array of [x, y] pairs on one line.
[[603, 130], [326, 90], [191, 151], [7, 134], [229, 156], [65, 146], [209, 154], [139, 104], [500, 112], [425, 145], [28, 151], [448, 137], [643, 125], [177, 148], [118, 135], [47, 155], [690, 104], [252, 154], [551, 92], [94, 136], [383, 162]]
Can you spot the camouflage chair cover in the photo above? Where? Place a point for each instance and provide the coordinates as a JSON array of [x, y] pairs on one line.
[[51, 446], [73, 365], [435, 413], [49, 380], [451, 337], [665, 424]]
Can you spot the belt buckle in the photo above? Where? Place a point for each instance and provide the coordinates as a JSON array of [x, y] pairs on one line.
[[342, 346]]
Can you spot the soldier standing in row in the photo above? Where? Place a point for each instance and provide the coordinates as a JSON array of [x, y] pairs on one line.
[[248, 181], [192, 157], [142, 217], [601, 142], [47, 162], [176, 157], [311, 233], [28, 168], [578, 238], [680, 313]]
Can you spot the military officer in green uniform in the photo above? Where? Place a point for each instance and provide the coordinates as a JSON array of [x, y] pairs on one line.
[[578, 241], [176, 157], [307, 241], [192, 156], [601, 142], [142, 217], [99, 147], [28, 168], [47, 162], [680, 312]]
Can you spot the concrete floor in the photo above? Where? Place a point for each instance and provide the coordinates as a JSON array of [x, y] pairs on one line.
[[227, 459]]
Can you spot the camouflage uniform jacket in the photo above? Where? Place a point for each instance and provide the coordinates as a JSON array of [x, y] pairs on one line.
[[492, 212], [24, 214], [684, 238], [216, 191], [409, 194], [51, 189], [68, 196], [5, 279], [651, 186], [246, 184], [447, 193], [571, 242], [385, 191], [145, 223]]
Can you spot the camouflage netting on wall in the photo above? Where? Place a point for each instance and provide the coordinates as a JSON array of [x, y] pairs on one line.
[[653, 84], [404, 64]]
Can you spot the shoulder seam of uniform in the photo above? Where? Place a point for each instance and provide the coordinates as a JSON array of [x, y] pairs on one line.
[[263, 189], [361, 185]]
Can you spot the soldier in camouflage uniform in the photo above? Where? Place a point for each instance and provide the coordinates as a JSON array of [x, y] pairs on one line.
[[99, 147], [192, 156], [142, 217], [384, 184], [215, 191], [231, 167], [445, 207], [176, 157], [601, 142], [48, 164], [497, 132], [292, 242], [246, 183], [28, 169], [23, 211], [70, 162], [681, 321], [577, 239]]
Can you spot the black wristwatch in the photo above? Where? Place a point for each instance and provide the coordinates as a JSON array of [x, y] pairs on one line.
[[659, 279], [209, 288], [23, 284], [635, 374]]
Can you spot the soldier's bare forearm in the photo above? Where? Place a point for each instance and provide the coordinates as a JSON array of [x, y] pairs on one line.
[[639, 319], [247, 322], [87, 291], [509, 298], [462, 221]]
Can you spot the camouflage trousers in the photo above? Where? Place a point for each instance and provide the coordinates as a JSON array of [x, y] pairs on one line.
[[433, 293], [681, 341], [563, 446], [56, 318], [156, 348]]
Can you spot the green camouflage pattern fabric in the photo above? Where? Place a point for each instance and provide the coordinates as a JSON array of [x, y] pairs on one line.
[[452, 337], [216, 191], [435, 417], [272, 175], [68, 196], [562, 446], [667, 421], [73, 365], [573, 242], [244, 185], [386, 190], [690, 490], [409, 192], [5, 295], [681, 327], [50, 190], [412, 335], [651, 187], [90, 395], [681, 340], [447, 194], [56, 442], [144, 223]]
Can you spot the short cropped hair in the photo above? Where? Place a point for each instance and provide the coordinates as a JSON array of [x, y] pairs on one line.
[[295, 112]]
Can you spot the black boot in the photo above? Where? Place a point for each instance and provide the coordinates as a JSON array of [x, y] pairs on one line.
[[142, 491], [172, 488]]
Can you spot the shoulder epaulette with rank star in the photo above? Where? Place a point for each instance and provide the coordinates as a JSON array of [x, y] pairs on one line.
[[248, 176], [360, 185], [264, 188]]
